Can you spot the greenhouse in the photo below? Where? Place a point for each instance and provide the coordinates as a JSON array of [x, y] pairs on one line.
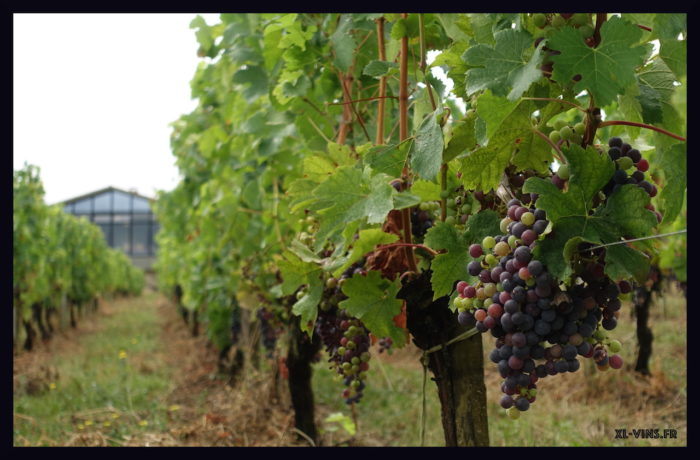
[[125, 218]]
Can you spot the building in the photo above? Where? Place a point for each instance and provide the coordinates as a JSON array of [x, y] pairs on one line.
[[126, 219]]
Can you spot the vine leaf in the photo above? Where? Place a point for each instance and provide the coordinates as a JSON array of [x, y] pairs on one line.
[[296, 272], [624, 215], [343, 43], [504, 65], [511, 138], [463, 138], [426, 155], [606, 70], [449, 267], [350, 195], [673, 163], [379, 69], [372, 299]]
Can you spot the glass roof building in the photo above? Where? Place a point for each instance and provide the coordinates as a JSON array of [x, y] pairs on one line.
[[126, 220]]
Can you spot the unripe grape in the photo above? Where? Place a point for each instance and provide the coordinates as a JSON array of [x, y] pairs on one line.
[[444, 193], [539, 20], [586, 31], [624, 163], [331, 283], [490, 260], [559, 124], [513, 413], [502, 248], [466, 208], [558, 21], [424, 206], [528, 218], [566, 132], [488, 242], [450, 220], [580, 128], [554, 136], [579, 19], [564, 172], [504, 224], [615, 346]]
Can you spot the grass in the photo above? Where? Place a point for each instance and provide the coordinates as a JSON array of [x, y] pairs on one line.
[[96, 388]]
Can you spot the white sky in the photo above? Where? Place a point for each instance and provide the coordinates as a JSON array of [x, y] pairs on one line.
[[93, 97]]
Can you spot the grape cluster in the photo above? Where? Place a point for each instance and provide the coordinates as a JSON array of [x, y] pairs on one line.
[[540, 327], [423, 217], [347, 342], [553, 22], [565, 133], [627, 158], [268, 329], [385, 344]]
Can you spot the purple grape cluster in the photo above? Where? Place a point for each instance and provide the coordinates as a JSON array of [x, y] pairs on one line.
[[627, 158], [347, 342], [540, 328], [385, 344]]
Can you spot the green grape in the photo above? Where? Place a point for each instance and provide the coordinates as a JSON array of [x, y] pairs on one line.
[[444, 193], [355, 360], [566, 133], [488, 242], [466, 208], [624, 163], [599, 334], [528, 218], [513, 412], [435, 205], [559, 124], [489, 289], [341, 350], [331, 283], [450, 220], [504, 224], [502, 248], [468, 302], [580, 128], [355, 383], [615, 346], [513, 240], [530, 282], [554, 136], [579, 19], [451, 212], [586, 31], [491, 260], [364, 357], [450, 203], [576, 138], [563, 172], [424, 206], [558, 21], [539, 20]]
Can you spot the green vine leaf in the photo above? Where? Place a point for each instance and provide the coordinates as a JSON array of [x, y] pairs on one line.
[[373, 299], [605, 70], [505, 65], [426, 155]]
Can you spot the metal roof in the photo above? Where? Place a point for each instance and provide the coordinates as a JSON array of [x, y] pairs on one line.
[[101, 191]]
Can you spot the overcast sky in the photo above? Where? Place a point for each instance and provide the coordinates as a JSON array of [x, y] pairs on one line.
[[94, 94]]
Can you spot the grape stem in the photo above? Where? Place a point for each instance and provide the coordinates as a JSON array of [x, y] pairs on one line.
[[560, 157], [661, 235], [408, 245], [640, 125], [362, 100], [348, 100], [644, 27]]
